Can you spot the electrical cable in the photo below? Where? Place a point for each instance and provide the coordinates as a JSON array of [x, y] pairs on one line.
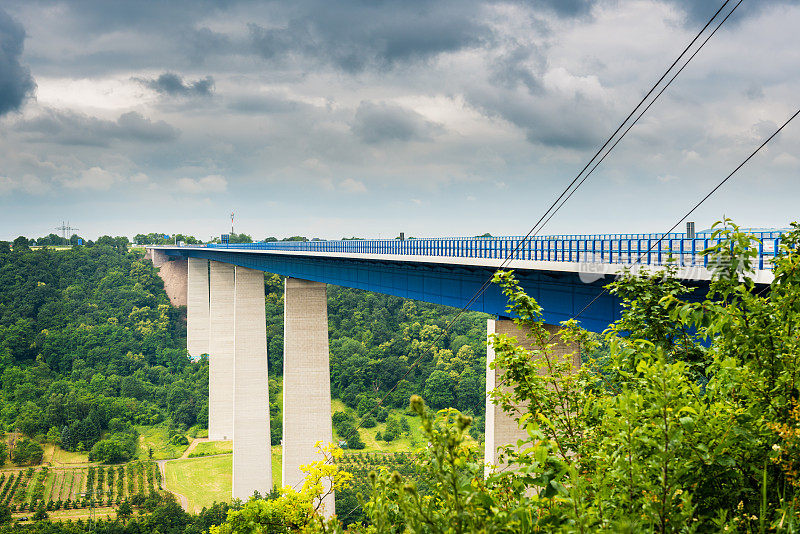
[[510, 255], [697, 205], [640, 115], [566, 191]]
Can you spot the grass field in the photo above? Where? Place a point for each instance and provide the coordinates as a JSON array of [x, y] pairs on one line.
[[204, 481], [58, 456], [157, 439], [197, 432], [84, 513], [213, 447]]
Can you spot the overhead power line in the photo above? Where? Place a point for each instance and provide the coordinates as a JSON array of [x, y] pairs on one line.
[[683, 218], [697, 205], [632, 124], [631, 114]]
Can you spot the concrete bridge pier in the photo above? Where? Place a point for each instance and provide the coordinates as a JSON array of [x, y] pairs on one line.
[[221, 329], [501, 428], [197, 308], [252, 453], [306, 380]]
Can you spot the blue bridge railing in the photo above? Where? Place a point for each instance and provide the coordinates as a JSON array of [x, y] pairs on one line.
[[613, 248]]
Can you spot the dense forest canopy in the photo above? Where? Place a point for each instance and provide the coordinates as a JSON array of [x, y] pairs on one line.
[[90, 345]]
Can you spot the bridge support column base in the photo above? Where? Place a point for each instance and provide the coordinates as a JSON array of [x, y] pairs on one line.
[[306, 380]]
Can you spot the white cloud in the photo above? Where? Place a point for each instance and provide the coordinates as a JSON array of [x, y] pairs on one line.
[[561, 80], [353, 186], [665, 178], [213, 183], [94, 178], [691, 156], [785, 160], [33, 185]]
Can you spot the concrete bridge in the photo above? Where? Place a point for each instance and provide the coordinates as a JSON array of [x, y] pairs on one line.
[[222, 286]]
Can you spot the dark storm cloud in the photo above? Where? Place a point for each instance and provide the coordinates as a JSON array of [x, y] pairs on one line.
[[380, 123], [16, 83], [697, 11], [72, 128], [558, 123], [148, 15], [354, 36], [521, 65], [203, 42], [565, 8], [264, 103], [173, 85], [700, 12]]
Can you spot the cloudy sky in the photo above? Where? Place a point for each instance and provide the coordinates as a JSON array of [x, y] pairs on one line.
[[352, 117]]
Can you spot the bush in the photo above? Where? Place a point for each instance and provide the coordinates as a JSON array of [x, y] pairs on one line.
[[369, 422], [113, 450], [27, 452], [382, 414], [355, 441], [179, 440], [40, 514], [404, 425]]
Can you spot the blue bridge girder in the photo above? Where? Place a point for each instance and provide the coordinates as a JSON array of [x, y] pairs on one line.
[[563, 273]]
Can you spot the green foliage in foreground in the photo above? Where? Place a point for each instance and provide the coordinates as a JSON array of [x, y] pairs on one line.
[[688, 423], [681, 427]]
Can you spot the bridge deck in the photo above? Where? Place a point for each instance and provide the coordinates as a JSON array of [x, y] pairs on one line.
[[564, 273]]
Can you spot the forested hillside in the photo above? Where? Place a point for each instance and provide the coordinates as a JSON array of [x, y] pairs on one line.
[[89, 344], [89, 347]]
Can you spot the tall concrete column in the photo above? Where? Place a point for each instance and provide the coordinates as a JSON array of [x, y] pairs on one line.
[[197, 310], [252, 459], [501, 428], [306, 379], [220, 351]]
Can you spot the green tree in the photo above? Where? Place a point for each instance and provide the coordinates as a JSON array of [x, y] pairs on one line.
[[54, 435], [40, 514], [439, 390], [354, 440], [27, 451], [124, 510], [638, 439], [20, 244]]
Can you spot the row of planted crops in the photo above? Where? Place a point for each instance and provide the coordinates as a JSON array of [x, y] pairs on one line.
[[70, 488]]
